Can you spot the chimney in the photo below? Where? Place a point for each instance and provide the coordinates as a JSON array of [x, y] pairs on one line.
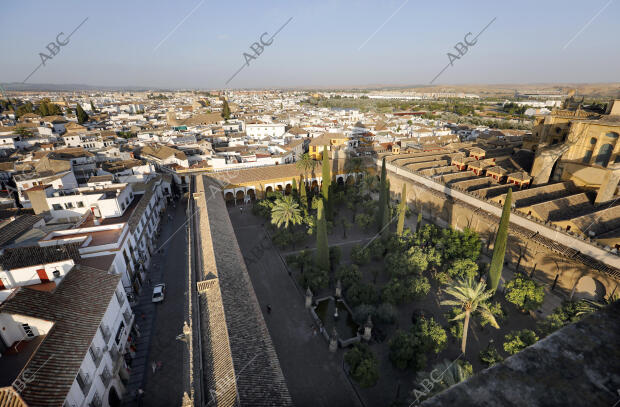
[[609, 184]]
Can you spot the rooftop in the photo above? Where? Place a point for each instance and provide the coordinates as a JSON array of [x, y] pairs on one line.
[[76, 309], [34, 255]]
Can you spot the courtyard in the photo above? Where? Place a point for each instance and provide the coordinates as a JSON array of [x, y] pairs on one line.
[[397, 280]]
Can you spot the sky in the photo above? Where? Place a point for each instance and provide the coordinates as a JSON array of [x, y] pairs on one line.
[[324, 43]]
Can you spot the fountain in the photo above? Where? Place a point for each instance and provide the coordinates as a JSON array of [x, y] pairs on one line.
[[334, 314]]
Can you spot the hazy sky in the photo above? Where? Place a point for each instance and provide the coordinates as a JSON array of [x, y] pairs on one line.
[[327, 43]]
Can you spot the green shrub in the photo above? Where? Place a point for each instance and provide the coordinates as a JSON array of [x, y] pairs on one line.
[[360, 255], [490, 356], [363, 365], [519, 340], [523, 292]]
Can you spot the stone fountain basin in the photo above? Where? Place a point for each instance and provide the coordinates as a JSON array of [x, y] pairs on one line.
[[323, 312]]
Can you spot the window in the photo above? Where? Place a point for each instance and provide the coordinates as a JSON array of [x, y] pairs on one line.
[[69, 205], [604, 154], [593, 140], [56, 207], [587, 157], [28, 330], [56, 273], [612, 135], [80, 204]]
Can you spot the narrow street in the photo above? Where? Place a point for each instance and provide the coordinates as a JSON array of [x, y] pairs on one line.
[[161, 323]]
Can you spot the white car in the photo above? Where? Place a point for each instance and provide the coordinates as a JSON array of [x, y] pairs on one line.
[[158, 292]]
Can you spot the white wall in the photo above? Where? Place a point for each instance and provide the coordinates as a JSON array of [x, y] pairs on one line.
[[28, 275]]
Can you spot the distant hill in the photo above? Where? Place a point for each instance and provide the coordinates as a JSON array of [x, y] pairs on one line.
[[51, 87]]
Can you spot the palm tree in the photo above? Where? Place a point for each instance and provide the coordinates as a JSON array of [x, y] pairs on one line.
[[305, 164], [369, 182], [471, 297], [451, 373], [353, 165], [285, 211], [586, 306]]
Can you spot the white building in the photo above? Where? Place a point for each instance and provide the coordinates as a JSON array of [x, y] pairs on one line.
[[77, 356], [265, 130]]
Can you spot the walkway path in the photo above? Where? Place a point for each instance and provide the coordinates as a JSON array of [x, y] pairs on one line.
[[314, 375]]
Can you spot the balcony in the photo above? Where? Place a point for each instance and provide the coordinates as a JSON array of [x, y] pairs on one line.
[[84, 381], [105, 331], [106, 377], [96, 401], [120, 297], [96, 354], [116, 357], [127, 315]]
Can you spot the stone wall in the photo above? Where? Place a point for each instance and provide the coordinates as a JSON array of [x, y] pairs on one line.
[[233, 313], [527, 253], [575, 366]]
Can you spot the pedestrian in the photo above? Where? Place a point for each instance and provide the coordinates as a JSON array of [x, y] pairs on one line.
[[268, 309], [139, 396], [154, 366], [314, 332], [148, 281]]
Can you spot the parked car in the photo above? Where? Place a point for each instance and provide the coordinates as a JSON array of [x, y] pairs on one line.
[[159, 291]]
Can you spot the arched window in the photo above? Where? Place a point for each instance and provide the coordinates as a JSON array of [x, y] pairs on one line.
[[587, 157], [612, 135], [593, 140], [604, 154]]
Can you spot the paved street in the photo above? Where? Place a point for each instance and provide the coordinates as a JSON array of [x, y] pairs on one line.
[[161, 323], [314, 375]]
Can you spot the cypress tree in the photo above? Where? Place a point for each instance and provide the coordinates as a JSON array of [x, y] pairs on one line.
[[322, 247], [81, 114], [294, 186], [402, 208], [382, 196], [225, 110], [327, 179], [499, 248], [387, 219], [419, 223], [303, 199]]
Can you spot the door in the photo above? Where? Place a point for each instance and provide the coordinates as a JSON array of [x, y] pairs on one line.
[[43, 275]]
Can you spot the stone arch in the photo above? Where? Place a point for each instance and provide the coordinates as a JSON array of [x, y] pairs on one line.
[[239, 195], [269, 189], [279, 188], [288, 189], [251, 195], [589, 288], [229, 196], [340, 180]]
